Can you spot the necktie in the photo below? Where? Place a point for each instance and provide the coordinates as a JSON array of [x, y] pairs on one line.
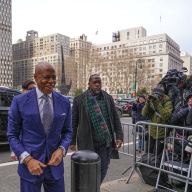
[[47, 116]]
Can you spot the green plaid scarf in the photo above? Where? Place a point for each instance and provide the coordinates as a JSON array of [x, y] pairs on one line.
[[102, 134]]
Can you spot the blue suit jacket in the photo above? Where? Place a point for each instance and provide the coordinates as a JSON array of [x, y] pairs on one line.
[[26, 132]]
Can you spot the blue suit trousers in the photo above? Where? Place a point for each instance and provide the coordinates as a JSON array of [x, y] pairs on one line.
[[47, 181]]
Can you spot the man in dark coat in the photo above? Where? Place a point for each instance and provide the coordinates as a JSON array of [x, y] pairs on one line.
[[96, 124], [183, 117]]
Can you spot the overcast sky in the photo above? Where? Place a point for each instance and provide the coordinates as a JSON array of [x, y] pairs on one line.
[[75, 17]]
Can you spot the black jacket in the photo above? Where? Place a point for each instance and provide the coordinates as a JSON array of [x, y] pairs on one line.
[[182, 117], [82, 129], [179, 116]]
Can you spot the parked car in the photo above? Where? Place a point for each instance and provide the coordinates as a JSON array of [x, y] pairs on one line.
[[119, 110], [6, 96], [124, 106]]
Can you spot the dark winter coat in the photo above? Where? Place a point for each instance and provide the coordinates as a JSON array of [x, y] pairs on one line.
[[137, 112], [182, 117], [82, 128], [179, 116]]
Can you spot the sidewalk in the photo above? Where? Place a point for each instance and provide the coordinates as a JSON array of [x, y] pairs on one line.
[[120, 185]]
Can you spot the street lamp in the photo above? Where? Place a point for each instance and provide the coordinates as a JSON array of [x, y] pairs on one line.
[[138, 61]]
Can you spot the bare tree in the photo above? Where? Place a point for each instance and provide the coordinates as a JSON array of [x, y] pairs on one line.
[[120, 70]]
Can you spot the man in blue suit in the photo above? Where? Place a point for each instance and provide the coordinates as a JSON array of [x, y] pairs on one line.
[[39, 133]]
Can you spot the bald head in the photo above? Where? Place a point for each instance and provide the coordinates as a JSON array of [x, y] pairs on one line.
[[42, 66], [45, 77]]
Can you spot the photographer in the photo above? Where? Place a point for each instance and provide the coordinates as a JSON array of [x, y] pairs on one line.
[[183, 116], [158, 109]]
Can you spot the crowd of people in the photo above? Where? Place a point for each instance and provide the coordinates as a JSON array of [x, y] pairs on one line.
[[170, 103]]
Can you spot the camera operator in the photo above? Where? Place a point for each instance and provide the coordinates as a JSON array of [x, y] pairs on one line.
[[158, 109], [174, 83], [183, 116]]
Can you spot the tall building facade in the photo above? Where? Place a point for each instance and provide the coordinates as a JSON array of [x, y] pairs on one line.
[[134, 60], [187, 59], [5, 43], [26, 54], [81, 48]]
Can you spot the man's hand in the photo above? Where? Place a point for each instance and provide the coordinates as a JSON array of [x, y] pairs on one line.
[[35, 167], [13, 157], [73, 147], [119, 143], [56, 157]]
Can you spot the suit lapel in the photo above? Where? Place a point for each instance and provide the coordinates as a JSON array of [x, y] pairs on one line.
[[33, 106], [56, 106], [56, 109], [84, 102]]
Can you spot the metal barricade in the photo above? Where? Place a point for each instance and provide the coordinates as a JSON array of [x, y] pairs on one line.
[[175, 162], [127, 147], [159, 141]]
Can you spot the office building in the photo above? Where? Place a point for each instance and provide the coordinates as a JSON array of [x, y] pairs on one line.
[[5, 43], [134, 60], [81, 49], [187, 62], [26, 54]]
